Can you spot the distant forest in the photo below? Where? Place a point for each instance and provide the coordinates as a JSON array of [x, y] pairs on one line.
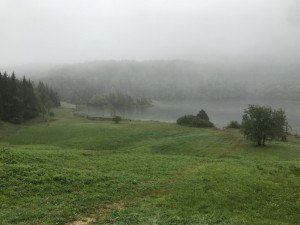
[[20, 100], [172, 80], [118, 100]]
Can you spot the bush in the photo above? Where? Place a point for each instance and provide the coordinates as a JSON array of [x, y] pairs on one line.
[[51, 114], [203, 115], [194, 121], [116, 119], [234, 125], [198, 122], [16, 120], [186, 120]]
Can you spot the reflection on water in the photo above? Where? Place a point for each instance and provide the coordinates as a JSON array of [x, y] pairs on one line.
[[220, 112]]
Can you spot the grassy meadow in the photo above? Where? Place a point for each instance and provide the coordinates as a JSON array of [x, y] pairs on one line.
[[76, 171]]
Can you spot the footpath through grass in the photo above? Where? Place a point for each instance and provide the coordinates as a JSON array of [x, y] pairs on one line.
[[143, 173]]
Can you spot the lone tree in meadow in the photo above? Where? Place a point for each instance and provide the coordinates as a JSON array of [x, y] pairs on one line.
[[262, 122]]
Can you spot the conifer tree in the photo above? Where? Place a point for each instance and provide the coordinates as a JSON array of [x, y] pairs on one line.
[[1, 96], [20, 100], [203, 115]]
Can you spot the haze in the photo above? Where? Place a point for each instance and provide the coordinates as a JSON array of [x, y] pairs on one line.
[[69, 31]]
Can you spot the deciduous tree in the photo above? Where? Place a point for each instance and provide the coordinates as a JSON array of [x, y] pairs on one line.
[[262, 122]]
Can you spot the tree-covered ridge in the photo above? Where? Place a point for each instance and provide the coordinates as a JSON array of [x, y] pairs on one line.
[[20, 100], [118, 100], [174, 80]]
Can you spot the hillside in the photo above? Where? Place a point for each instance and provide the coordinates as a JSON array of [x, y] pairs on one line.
[[136, 172], [171, 79]]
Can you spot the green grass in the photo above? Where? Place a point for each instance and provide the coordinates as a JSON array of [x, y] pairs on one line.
[[143, 173]]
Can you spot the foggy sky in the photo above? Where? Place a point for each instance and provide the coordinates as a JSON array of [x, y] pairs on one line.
[[67, 31]]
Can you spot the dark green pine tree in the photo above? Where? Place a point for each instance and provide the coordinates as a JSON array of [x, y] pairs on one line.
[[203, 115], [1, 96], [44, 99], [20, 100], [54, 98], [30, 107], [5, 97], [15, 109], [13, 85]]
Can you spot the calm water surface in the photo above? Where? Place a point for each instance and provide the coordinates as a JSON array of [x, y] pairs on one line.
[[220, 112]]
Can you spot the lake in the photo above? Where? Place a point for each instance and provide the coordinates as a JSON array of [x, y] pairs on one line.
[[220, 112]]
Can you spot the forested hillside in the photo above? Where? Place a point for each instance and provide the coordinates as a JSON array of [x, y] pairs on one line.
[[20, 100], [172, 80]]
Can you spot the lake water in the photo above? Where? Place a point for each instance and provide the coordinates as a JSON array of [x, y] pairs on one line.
[[220, 112]]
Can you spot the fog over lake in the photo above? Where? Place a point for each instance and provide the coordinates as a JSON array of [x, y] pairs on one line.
[[183, 55], [220, 112]]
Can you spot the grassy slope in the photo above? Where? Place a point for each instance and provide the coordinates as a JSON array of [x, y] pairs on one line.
[[143, 173]]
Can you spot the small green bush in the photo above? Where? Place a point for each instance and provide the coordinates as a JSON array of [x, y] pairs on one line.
[[16, 120], [116, 119], [194, 121], [198, 122], [203, 115], [186, 120], [234, 125]]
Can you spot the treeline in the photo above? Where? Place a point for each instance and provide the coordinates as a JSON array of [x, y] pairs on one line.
[[118, 100], [20, 100], [174, 80]]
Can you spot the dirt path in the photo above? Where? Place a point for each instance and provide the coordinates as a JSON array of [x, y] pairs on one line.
[[163, 189], [102, 213], [160, 191]]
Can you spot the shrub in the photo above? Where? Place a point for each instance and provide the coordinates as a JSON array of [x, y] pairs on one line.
[[186, 120], [194, 121], [198, 122], [16, 120], [116, 119], [203, 115], [234, 125]]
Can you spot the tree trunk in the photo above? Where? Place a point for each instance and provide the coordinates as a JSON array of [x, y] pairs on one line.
[[283, 138], [259, 142], [264, 140]]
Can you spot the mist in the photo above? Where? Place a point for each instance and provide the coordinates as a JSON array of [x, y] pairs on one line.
[[150, 112], [182, 55], [218, 31]]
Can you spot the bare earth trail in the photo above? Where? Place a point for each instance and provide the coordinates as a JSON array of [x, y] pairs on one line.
[[160, 191]]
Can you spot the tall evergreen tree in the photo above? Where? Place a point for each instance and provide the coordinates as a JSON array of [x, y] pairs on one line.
[[5, 96], [29, 100], [14, 107], [20, 101], [1, 96], [13, 85], [203, 115]]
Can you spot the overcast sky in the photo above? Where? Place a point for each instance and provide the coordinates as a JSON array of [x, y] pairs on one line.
[[67, 31]]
